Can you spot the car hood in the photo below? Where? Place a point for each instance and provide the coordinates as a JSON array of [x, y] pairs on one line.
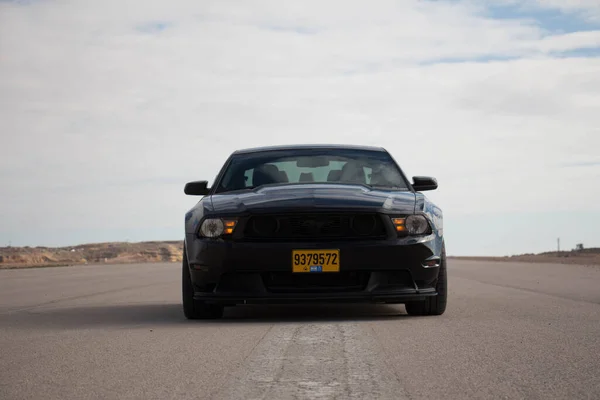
[[313, 197]]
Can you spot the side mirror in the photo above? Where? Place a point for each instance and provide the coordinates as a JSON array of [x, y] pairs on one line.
[[423, 183], [197, 188]]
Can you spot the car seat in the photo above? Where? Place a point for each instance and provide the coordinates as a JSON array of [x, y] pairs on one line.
[[306, 177], [334, 175], [265, 174], [353, 172]]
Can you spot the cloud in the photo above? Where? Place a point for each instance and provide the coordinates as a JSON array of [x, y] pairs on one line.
[[570, 41], [153, 26], [582, 164], [590, 9], [301, 30], [559, 14], [20, 2], [103, 107]]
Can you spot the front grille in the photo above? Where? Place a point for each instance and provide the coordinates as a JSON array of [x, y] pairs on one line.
[[315, 227], [281, 282]]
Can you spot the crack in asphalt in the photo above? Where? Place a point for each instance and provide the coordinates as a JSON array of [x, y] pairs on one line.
[[82, 296]]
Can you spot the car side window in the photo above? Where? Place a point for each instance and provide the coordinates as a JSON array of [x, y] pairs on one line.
[[248, 177], [368, 174]]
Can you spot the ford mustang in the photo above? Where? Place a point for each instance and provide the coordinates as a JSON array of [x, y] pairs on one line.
[[313, 223]]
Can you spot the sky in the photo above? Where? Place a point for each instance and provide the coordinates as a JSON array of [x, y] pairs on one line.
[[108, 108]]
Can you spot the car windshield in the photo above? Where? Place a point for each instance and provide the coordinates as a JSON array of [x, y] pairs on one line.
[[299, 166]]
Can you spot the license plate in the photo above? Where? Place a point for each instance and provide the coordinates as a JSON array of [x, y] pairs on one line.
[[315, 261]]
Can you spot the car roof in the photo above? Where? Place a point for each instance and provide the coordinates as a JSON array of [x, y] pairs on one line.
[[308, 146]]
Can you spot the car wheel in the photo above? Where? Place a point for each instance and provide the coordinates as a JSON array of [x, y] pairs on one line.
[[435, 305], [194, 309]]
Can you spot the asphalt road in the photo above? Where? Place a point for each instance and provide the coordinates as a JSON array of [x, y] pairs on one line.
[[518, 331]]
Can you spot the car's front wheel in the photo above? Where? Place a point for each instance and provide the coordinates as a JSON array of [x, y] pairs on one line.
[[194, 309], [435, 305]]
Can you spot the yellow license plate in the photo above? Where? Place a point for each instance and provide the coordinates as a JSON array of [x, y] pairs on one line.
[[315, 261]]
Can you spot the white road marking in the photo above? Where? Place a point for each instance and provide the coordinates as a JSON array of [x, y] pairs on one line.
[[314, 361]]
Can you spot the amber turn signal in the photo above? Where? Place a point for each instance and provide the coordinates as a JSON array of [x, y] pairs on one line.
[[399, 223], [229, 226]]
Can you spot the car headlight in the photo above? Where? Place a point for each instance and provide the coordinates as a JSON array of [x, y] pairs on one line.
[[416, 225], [212, 228], [215, 227]]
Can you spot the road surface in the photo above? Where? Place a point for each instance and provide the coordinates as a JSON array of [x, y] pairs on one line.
[[518, 331]]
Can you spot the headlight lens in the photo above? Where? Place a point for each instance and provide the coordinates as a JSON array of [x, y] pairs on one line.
[[215, 227], [212, 228], [416, 225]]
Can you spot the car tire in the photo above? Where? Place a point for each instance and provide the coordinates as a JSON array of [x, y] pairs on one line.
[[194, 309], [435, 305]]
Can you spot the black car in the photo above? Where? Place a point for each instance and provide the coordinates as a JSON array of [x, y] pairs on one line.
[[313, 223]]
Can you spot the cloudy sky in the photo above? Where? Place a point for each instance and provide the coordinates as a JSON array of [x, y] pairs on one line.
[[107, 108]]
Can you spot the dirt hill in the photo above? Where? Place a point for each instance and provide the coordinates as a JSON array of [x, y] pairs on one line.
[[113, 253], [172, 251], [589, 256]]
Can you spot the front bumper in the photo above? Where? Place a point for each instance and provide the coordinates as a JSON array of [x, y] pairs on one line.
[[390, 271]]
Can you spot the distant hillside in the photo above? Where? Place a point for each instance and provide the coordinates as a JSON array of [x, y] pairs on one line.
[[589, 256], [172, 251], [113, 253]]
